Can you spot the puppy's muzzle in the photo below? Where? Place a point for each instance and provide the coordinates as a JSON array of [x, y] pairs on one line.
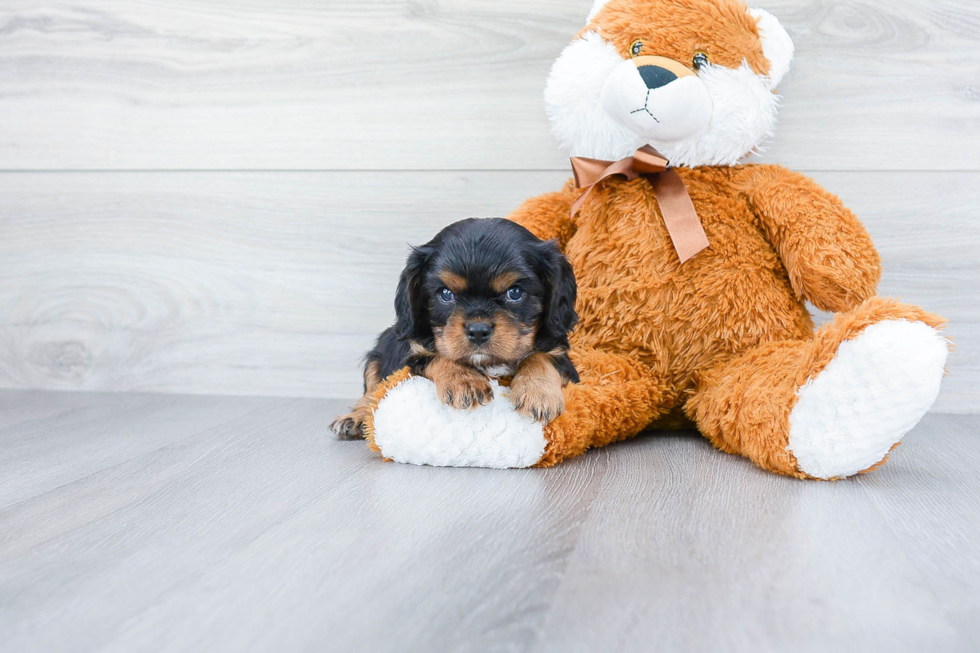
[[658, 98], [478, 333]]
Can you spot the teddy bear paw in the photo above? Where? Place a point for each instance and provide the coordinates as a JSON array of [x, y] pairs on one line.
[[879, 385], [413, 425]]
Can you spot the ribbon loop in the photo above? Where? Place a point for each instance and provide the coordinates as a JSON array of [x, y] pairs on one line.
[[675, 203]]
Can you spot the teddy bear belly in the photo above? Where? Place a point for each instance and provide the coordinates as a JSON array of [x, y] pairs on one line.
[[639, 300]]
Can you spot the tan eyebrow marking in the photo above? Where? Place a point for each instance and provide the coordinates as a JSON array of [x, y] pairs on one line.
[[453, 281], [504, 281], [419, 349]]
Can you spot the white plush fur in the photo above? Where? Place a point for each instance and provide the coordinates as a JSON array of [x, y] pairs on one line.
[[671, 113], [776, 45], [411, 425], [875, 390], [573, 101], [596, 8], [743, 117], [743, 113]]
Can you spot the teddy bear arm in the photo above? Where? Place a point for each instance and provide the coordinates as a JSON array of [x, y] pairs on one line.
[[549, 216], [828, 254], [616, 397]]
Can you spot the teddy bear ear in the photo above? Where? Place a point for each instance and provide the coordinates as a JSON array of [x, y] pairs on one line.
[[596, 8], [776, 45]]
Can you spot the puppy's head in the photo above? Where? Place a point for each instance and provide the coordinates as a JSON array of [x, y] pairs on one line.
[[486, 293]]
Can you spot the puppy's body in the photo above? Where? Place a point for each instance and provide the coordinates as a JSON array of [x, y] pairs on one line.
[[484, 298]]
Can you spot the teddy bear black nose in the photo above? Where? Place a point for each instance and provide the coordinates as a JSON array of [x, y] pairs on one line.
[[655, 76], [478, 332]]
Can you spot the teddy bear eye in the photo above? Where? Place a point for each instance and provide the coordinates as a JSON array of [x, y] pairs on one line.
[[700, 59], [636, 47]]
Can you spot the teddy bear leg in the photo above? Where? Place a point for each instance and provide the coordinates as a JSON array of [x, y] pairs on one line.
[[616, 398], [832, 406]]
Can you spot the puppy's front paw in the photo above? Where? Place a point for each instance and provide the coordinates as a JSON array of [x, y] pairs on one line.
[[539, 399], [465, 390], [350, 426]]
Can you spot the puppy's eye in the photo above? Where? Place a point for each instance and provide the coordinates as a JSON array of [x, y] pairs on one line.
[[515, 294], [700, 60], [636, 47], [446, 296]]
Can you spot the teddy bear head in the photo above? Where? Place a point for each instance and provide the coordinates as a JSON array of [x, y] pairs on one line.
[[695, 79]]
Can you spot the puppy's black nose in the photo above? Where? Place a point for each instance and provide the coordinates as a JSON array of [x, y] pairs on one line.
[[655, 76], [478, 332]]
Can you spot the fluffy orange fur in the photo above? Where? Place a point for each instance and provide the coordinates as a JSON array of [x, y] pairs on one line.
[[724, 340], [719, 28]]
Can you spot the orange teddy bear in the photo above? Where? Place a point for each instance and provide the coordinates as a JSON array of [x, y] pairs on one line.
[[673, 334]]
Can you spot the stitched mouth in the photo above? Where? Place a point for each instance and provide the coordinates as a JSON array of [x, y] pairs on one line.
[[645, 108]]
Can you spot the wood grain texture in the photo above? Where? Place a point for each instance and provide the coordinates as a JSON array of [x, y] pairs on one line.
[[801, 543], [436, 84], [926, 520], [252, 530], [276, 283], [69, 455], [252, 283]]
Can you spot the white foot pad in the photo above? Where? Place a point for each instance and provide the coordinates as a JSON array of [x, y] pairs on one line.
[[876, 389], [412, 426]]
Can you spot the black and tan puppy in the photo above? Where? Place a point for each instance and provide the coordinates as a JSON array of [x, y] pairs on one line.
[[484, 298]]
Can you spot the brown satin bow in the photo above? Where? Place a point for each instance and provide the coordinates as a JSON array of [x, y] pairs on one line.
[[681, 218]]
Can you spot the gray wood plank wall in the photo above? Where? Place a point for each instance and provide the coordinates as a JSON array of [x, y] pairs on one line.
[[209, 196]]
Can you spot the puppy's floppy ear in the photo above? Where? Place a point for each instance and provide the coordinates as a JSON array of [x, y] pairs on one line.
[[559, 315], [410, 307]]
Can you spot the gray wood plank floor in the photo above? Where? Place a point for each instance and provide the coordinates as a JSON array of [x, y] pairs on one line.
[[134, 522]]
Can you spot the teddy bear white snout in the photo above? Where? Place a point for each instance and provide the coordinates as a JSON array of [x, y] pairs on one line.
[[657, 98]]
